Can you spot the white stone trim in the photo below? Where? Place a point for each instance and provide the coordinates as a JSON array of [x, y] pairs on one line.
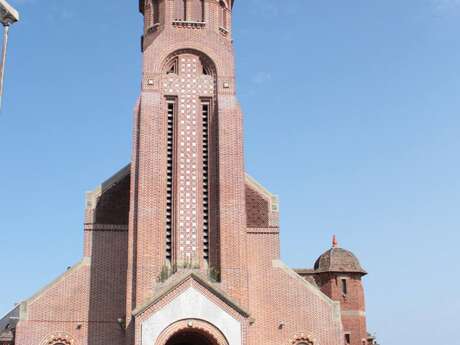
[[191, 304]]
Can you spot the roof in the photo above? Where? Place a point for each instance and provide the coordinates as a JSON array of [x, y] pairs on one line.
[[338, 260], [180, 278]]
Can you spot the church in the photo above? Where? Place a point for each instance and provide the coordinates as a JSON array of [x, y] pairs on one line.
[[181, 246]]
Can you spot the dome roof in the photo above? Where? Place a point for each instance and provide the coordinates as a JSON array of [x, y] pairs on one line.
[[338, 260]]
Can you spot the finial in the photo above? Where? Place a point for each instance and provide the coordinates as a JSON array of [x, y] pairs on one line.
[[335, 243]]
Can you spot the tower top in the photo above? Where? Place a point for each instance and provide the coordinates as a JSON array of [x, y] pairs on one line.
[[180, 16]]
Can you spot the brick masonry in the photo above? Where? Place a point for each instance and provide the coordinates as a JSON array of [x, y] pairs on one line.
[[224, 234]]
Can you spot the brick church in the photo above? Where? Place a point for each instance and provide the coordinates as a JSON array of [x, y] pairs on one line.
[[182, 247]]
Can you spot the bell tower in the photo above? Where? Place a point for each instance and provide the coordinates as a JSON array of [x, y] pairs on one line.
[[187, 208]]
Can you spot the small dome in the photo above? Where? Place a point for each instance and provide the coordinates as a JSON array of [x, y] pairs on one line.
[[338, 260]]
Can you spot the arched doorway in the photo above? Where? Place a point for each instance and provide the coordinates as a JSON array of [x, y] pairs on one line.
[[191, 332], [191, 338]]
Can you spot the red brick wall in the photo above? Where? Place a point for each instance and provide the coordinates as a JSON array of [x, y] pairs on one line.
[[352, 304], [113, 205], [147, 226], [62, 307], [86, 301], [279, 296], [258, 209]]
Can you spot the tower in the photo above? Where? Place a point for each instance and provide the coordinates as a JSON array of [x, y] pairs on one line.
[[187, 209], [339, 274]]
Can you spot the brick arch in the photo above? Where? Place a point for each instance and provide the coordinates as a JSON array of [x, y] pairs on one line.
[[302, 339], [225, 3], [218, 58], [199, 326], [59, 338], [208, 63]]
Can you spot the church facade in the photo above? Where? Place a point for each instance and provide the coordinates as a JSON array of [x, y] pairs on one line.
[[182, 247]]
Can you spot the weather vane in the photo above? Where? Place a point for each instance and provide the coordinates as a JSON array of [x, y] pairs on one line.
[[8, 16]]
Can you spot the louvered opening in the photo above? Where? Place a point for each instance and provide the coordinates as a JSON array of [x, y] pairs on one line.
[[169, 180], [205, 131]]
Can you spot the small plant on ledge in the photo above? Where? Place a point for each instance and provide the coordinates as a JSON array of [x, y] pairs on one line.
[[214, 274]]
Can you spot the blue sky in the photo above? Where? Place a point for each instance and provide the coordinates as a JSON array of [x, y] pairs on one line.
[[352, 116]]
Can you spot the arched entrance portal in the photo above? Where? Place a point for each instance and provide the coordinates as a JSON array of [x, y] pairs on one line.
[[192, 332], [191, 338]]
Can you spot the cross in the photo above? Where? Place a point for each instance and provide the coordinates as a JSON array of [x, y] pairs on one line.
[[190, 85]]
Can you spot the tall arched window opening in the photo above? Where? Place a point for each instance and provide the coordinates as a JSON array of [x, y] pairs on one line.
[[181, 10], [223, 15], [155, 12], [198, 10], [203, 10]]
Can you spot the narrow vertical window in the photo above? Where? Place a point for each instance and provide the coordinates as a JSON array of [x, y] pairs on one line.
[[202, 10], [205, 131], [223, 22], [156, 11], [344, 286], [181, 10], [197, 10], [185, 14], [347, 339], [169, 179]]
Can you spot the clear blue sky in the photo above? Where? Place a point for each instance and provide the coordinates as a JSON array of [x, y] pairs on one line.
[[352, 116]]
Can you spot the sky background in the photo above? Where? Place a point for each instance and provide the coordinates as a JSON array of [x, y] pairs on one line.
[[352, 116]]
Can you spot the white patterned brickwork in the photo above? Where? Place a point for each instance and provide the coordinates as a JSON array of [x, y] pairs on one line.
[[190, 85]]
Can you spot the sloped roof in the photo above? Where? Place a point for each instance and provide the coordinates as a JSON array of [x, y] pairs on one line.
[[180, 278]]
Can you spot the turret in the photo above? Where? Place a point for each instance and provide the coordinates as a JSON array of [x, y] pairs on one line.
[[338, 274]]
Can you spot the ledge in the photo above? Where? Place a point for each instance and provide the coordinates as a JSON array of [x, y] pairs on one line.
[[188, 24], [106, 227], [153, 28], [224, 31]]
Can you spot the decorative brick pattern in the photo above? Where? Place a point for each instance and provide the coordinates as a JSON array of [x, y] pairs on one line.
[[59, 338], [184, 214], [190, 86]]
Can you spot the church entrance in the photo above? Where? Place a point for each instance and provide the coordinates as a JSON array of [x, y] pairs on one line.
[[191, 332], [191, 338]]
